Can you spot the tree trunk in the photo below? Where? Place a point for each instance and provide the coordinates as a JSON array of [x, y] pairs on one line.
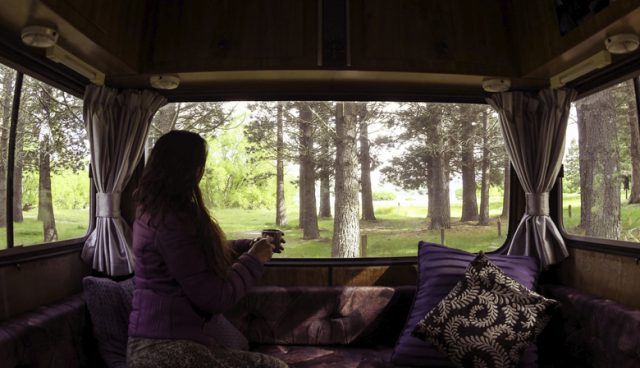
[[599, 155], [483, 218], [325, 196], [507, 189], [45, 200], [308, 214], [7, 94], [346, 228], [634, 139], [469, 187], [438, 200], [365, 166], [281, 212]]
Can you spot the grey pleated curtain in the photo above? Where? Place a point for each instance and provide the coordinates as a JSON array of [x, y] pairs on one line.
[[117, 124], [534, 128]]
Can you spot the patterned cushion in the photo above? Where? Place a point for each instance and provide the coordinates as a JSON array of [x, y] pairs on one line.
[[109, 305], [439, 270], [487, 320]]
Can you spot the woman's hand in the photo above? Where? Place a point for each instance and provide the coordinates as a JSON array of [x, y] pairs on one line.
[[262, 249]]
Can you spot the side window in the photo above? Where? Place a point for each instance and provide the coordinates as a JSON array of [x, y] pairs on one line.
[[418, 171], [601, 184], [51, 190]]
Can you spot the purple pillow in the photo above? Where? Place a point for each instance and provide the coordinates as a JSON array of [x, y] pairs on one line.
[[439, 270]]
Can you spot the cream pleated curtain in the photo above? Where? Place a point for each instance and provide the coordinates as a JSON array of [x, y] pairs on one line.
[[117, 124], [534, 128]]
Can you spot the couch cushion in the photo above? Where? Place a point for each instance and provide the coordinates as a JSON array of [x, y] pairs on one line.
[[309, 315], [487, 320], [329, 356], [109, 305], [594, 331], [50, 336], [439, 270]]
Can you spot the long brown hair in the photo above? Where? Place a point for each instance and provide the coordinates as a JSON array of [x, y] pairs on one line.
[[169, 184]]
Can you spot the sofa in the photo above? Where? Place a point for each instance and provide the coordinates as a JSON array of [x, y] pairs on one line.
[[311, 327]]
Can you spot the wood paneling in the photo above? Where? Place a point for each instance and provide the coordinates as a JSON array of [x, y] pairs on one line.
[[394, 275], [543, 51], [443, 36], [201, 35], [604, 275], [33, 284], [295, 276], [116, 25]]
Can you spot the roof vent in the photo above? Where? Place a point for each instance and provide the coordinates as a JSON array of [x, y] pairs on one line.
[[496, 84], [164, 81], [622, 43], [39, 36]]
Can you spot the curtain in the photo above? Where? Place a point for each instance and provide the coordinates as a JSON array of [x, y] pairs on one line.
[[117, 124], [534, 128]]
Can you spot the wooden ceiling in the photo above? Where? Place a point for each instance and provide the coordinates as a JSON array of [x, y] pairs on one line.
[[228, 49]]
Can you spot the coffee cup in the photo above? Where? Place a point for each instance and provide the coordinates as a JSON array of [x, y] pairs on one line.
[[276, 238]]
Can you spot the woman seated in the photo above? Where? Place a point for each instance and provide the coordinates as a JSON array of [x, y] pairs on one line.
[[185, 271]]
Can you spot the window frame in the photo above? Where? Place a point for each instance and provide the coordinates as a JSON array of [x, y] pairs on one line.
[[13, 254], [585, 87]]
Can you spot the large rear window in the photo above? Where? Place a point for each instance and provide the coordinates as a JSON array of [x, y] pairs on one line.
[[351, 179]]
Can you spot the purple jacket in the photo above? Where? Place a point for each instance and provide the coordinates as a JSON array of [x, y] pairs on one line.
[[174, 292]]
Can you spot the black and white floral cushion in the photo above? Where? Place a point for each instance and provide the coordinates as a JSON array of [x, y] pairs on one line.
[[487, 320]]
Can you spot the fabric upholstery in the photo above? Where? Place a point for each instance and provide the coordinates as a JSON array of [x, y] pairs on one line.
[[593, 331], [50, 336], [329, 356], [487, 320], [439, 270], [309, 315], [109, 305]]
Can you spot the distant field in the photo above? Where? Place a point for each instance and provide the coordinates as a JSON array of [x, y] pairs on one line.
[[396, 233]]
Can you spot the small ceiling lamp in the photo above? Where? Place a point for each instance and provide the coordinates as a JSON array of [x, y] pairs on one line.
[[496, 84], [164, 81], [39, 36], [622, 43]]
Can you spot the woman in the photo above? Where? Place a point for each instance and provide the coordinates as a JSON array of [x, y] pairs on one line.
[[185, 271]]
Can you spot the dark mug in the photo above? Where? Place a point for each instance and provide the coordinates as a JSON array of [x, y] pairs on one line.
[[276, 238]]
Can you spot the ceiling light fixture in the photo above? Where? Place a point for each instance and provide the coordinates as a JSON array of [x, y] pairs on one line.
[[60, 55], [623, 43], [164, 81], [596, 61], [496, 84], [39, 36]]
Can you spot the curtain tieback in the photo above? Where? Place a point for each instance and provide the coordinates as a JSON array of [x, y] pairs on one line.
[[108, 204], [538, 204]]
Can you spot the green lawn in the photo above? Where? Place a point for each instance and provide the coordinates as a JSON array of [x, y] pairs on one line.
[[629, 218], [396, 233], [69, 223]]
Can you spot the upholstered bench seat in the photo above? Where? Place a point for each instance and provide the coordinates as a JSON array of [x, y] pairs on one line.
[[330, 356]]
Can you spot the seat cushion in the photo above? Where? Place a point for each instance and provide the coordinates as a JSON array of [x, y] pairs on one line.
[[329, 356], [109, 304], [439, 270], [310, 315]]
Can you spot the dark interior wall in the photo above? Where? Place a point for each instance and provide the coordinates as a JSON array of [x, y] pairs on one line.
[[605, 275], [29, 285], [537, 40]]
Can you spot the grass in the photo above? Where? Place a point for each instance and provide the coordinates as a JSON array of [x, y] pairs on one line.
[[395, 233], [629, 218], [70, 224]]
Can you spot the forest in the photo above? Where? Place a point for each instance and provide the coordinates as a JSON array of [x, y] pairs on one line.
[[308, 167]]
